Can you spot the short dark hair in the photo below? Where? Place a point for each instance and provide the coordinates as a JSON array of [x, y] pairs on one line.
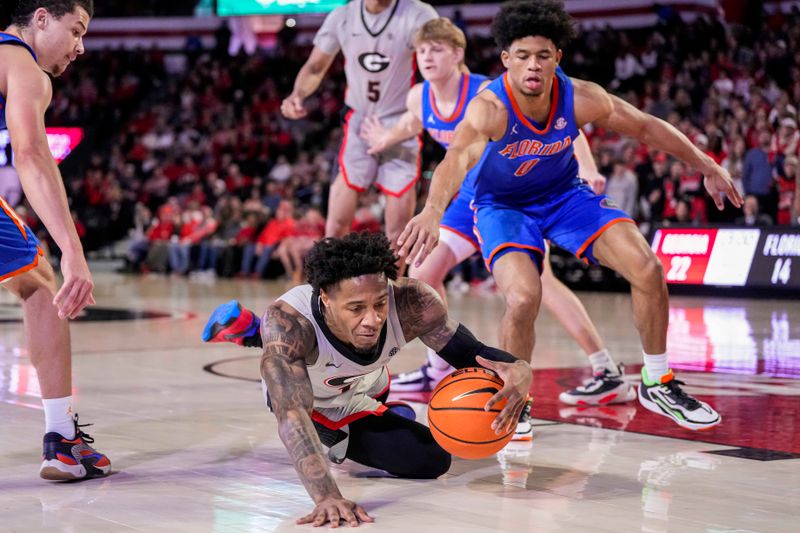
[[332, 260], [19, 12], [527, 18]]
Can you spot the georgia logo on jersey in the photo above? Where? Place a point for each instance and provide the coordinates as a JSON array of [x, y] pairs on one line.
[[561, 123], [374, 62], [337, 382]]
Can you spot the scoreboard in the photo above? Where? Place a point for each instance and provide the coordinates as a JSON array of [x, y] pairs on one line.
[[730, 257], [62, 142], [233, 8]]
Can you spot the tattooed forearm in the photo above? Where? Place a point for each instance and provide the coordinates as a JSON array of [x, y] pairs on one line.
[[423, 314], [288, 343], [298, 435]]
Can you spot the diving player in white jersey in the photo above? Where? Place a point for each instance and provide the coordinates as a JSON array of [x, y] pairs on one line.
[[375, 38], [44, 37], [516, 144], [438, 105], [325, 350]]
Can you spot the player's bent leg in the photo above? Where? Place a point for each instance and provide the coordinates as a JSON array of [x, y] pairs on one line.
[[399, 446], [342, 203], [63, 459], [624, 249], [518, 278], [50, 354]]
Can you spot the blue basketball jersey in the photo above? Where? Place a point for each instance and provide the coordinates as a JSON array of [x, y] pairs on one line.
[[441, 128], [10, 39], [531, 161]]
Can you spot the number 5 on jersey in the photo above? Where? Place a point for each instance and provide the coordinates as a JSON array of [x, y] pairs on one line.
[[373, 91]]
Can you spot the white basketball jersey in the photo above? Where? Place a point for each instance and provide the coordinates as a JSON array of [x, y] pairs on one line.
[[339, 373], [379, 56]]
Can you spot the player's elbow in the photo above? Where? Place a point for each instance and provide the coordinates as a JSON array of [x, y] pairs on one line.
[[30, 157]]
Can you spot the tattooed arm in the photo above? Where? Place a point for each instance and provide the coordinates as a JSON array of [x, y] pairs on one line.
[[423, 314], [289, 343]]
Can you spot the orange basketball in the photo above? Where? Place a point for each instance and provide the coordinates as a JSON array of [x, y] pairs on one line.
[[456, 416]]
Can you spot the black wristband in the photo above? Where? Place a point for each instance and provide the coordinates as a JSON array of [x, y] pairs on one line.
[[462, 348]]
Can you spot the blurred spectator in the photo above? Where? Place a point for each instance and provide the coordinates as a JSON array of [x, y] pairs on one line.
[[282, 225], [293, 249], [751, 215], [622, 187], [787, 190], [757, 172]]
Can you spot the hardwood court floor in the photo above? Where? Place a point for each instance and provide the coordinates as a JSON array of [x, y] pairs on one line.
[[196, 451]]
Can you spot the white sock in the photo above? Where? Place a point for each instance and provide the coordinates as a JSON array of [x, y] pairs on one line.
[[436, 362], [656, 365], [601, 360], [58, 417]]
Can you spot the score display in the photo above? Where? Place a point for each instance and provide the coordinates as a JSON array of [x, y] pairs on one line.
[[233, 8], [62, 142], [730, 257]]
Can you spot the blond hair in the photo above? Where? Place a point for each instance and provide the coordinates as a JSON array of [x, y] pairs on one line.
[[440, 30]]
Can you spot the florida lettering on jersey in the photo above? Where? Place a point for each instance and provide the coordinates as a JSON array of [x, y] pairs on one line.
[[530, 160]]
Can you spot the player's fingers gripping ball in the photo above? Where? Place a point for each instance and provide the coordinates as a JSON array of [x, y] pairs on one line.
[[457, 418]]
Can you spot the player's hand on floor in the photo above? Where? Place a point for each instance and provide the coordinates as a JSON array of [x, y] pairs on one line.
[[517, 379], [374, 134], [419, 238], [334, 510], [76, 292]]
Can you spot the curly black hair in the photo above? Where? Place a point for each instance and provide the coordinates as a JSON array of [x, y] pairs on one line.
[[527, 18], [332, 260]]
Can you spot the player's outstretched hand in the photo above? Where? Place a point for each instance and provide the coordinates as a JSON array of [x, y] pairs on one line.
[[333, 510], [517, 379], [292, 107], [76, 292], [419, 238], [374, 134], [718, 180]]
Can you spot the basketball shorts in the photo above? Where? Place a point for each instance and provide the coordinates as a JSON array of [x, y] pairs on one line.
[[572, 219], [394, 171], [456, 230], [19, 247]]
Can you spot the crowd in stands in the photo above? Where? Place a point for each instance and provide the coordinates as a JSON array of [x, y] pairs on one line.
[[193, 163]]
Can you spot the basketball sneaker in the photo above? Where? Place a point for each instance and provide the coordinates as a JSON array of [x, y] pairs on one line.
[[423, 379], [602, 388], [72, 459], [665, 397], [524, 427], [231, 322]]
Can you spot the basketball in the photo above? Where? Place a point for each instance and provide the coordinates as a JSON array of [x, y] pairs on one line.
[[456, 416]]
